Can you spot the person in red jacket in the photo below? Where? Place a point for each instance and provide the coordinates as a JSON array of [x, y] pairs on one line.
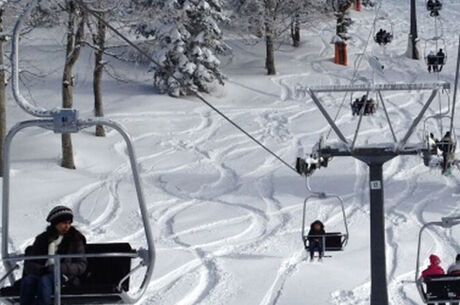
[[433, 269]]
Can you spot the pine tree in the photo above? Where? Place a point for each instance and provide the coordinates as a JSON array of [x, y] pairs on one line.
[[188, 39]]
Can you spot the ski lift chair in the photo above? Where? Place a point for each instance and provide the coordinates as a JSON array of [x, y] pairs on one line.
[[434, 6], [107, 278], [333, 241], [108, 274], [368, 3], [435, 148], [383, 31], [307, 165], [368, 106], [439, 289], [435, 54]]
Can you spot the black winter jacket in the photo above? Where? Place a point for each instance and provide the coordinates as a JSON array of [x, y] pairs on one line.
[[73, 243]]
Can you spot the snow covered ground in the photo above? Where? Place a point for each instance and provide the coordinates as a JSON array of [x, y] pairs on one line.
[[227, 216]]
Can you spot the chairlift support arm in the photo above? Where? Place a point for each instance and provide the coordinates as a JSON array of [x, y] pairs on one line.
[[417, 120], [328, 118], [375, 87], [20, 99]]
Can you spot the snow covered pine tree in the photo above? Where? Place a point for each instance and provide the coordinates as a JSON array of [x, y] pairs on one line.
[[187, 38]]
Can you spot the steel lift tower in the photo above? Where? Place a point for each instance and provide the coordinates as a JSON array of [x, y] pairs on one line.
[[375, 156]]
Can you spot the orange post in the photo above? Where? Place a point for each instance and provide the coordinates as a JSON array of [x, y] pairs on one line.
[[344, 54], [337, 53], [341, 54], [358, 5]]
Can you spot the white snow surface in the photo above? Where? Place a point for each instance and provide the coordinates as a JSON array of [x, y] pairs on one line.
[[226, 215]]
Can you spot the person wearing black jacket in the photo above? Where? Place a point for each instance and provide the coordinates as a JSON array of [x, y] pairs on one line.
[[447, 146], [60, 237], [315, 239]]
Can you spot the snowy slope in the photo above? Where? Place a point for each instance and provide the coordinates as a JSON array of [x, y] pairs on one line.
[[226, 215]]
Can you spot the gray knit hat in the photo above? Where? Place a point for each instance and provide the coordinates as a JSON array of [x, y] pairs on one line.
[[59, 214]]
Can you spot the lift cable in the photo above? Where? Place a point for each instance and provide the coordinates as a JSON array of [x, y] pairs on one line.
[[192, 91], [456, 88]]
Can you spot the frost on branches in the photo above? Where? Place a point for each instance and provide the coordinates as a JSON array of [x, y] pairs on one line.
[[187, 39]]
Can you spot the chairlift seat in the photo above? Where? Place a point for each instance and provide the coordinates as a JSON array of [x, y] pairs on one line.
[[99, 284], [370, 107], [443, 288], [333, 241]]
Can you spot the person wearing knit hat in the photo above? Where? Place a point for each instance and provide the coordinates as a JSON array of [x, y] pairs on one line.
[[60, 214], [60, 237], [455, 268]]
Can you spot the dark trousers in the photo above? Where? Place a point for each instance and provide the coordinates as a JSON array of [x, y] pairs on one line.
[[445, 162], [316, 246], [37, 290]]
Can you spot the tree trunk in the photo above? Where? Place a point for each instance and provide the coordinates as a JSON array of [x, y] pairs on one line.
[[97, 75], [270, 56], [73, 49], [67, 102], [295, 31], [269, 17], [2, 94]]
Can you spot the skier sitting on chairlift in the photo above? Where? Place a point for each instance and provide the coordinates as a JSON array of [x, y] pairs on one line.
[[370, 106], [355, 107], [433, 144], [447, 146], [455, 271], [316, 239], [368, 3], [434, 269], [308, 166], [455, 268], [431, 60], [434, 7], [387, 38], [59, 238], [380, 37], [358, 104], [440, 58]]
